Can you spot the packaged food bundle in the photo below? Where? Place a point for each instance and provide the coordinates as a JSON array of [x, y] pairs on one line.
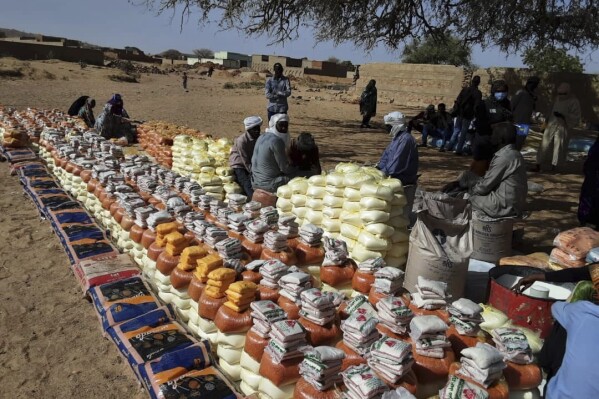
[[360, 332], [149, 337], [219, 281], [430, 294], [240, 295], [362, 383], [391, 358], [457, 388], [483, 364], [321, 367], [122, 300], [577, 242], [271, 272], [159, 375], [388, 280], [513, 344], [287, 337], [91, 273], [394, 314], [317, 306], [466, 316], [264, 314], [429, 336], [293, 284]]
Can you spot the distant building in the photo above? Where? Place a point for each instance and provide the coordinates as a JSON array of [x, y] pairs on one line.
[[224, 58], [298, 67]]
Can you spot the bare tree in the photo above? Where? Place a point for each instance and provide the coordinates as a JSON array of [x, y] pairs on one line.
[[203, 53], [513, 25]]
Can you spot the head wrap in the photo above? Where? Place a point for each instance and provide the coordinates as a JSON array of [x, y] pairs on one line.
[[397, 121], [476, 80], [272, 128], [252, 121], [115, 99], [499, 85]]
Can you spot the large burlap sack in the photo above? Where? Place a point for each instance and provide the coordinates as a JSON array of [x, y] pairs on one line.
[[440, 242]]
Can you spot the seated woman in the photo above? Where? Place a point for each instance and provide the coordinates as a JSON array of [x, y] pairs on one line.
[[86, 112], [304, 155], [113, 122], [503, 189]]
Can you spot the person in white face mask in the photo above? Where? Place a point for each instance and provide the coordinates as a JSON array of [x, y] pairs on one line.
[[270, 163]]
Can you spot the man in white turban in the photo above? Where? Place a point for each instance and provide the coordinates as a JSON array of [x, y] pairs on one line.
[[270, 164], [400, 159], [240, 159]]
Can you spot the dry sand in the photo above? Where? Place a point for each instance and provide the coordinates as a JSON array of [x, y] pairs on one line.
[[51, 343]]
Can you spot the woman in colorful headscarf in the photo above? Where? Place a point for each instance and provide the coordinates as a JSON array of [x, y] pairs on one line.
[[368, 101], [564, 117], [114, 121]]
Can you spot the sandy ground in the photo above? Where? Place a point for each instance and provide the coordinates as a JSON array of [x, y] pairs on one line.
[[52, 342]]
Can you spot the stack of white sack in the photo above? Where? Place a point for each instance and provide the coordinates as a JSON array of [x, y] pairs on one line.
[[388, 280], [465, 315], [394, 314], [205, 160], [483, 363], [429, 336], [288, 226], [513, 344], [314, 197], [391, 359], [360, 332], [362, 383], [321, 367], [264, 314], [430, 294]]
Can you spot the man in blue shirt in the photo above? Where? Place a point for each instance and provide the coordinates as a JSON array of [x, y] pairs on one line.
[[577, 377], [278, 88], [400, 159]]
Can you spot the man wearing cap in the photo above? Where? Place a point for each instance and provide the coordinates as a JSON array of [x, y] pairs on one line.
[[270, 163], [240, 159], [278, 88]]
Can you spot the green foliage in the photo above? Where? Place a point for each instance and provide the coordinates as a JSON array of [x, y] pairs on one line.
[[437, 51], [349, 65], [551, 59], [510, 25], [171, 54]]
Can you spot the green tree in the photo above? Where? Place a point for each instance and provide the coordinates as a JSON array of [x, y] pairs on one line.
[[551, 59], [171, 54], [439, 51], [510, 25]]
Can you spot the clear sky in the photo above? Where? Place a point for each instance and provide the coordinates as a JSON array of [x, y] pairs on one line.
[[118, 23]]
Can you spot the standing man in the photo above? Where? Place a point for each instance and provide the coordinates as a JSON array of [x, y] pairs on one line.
[[464, 107], [240, 159], [523, 105], [270, 163], [185, 81], [564, 117], [400, 159], [278, 88]]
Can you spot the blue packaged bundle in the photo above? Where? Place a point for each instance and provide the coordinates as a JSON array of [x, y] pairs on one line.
[[149, 337], [123, 300]]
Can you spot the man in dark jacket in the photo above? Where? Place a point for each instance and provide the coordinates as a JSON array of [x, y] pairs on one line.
[[464, 107], [440, 127], [523, 105]]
